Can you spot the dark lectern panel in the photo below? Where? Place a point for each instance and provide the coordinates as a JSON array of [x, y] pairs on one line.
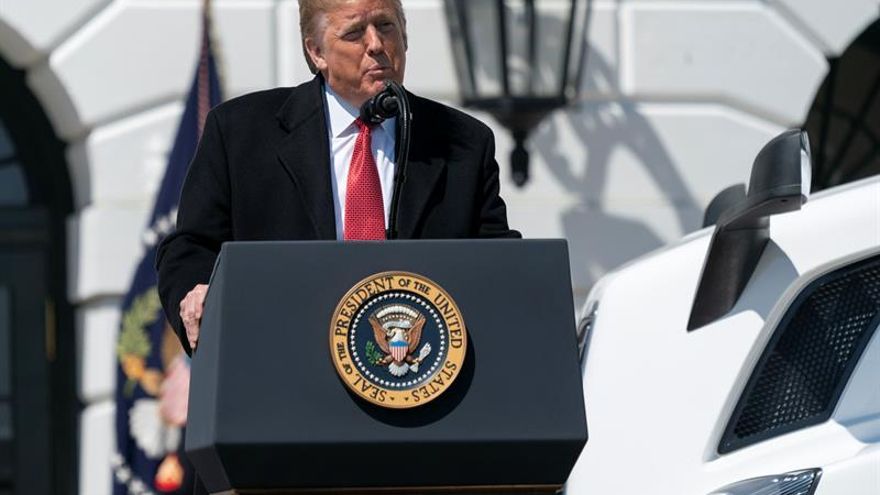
[[277, 415]]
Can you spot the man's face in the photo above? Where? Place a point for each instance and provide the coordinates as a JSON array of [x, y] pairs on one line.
[[362, 44]]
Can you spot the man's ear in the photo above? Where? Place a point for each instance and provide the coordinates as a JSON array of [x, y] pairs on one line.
[[315, 54]]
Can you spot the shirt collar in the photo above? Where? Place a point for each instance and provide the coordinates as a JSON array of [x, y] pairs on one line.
[[342, 114]]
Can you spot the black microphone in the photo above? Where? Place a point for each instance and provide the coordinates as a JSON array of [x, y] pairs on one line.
[[381, 106], [392, 101]]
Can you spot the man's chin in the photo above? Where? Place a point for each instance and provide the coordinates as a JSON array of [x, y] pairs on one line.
[[374, 87], [376, 81]]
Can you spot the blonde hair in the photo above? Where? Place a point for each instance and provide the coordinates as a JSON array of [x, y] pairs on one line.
[[311, 17]]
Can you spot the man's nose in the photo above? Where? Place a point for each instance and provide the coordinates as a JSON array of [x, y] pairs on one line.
[[373, 39]]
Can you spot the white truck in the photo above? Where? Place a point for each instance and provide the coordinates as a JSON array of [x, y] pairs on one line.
[[744, 359]]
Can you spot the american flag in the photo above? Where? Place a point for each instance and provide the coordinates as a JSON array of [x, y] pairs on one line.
[[153, 372]]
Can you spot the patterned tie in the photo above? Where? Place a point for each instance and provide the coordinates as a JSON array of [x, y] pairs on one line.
[[364, 210]]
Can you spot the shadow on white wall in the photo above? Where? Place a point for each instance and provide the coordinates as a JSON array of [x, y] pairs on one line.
[[601, 240]]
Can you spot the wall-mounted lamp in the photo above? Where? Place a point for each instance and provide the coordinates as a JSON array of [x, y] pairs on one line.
[[519, 60]]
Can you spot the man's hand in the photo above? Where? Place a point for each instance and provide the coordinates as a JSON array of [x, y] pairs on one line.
[[191, 313]]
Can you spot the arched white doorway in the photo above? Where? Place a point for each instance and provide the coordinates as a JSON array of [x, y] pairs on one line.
[[38, 407]]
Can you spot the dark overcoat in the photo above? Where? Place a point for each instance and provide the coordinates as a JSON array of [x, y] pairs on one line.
[[262, 172]]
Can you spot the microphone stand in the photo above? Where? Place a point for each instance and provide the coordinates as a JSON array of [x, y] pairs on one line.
[[401, 154]]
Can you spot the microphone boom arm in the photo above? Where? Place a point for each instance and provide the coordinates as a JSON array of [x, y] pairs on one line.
[[392, 100]]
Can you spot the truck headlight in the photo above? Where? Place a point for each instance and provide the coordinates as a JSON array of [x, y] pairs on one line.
[[585, 328], [792, 483]]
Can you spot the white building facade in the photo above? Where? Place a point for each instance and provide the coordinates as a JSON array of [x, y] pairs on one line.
[[677, 98]]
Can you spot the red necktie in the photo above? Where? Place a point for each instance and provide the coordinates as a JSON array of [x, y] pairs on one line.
[[364, 210]]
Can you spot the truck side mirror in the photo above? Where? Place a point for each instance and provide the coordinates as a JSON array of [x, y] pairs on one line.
[[726, 198], [779, 183]]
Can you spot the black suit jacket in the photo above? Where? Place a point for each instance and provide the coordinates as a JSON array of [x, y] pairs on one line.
[[262, 172]]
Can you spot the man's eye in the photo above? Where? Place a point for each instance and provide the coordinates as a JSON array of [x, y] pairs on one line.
[[353, 35], [386, 27]]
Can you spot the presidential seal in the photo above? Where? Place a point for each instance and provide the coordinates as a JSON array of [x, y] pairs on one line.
[[397, 339]]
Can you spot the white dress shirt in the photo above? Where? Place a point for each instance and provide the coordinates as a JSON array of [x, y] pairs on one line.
[[343, 134]]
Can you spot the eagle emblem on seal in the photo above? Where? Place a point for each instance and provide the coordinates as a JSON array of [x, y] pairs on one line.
[[397, 329]]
